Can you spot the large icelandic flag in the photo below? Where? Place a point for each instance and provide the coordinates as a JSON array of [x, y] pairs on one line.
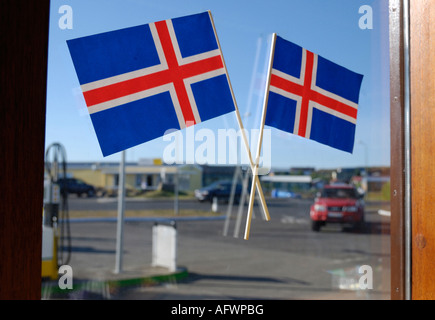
[[312, 97], [138, 82]]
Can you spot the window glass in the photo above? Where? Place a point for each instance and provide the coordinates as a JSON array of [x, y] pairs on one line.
[[174, 234]]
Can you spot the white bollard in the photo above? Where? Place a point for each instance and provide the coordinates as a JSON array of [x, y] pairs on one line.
[[214, 205], [164, 247]]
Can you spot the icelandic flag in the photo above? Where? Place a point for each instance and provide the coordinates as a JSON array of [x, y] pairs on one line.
[[312, 97], [141, 81]]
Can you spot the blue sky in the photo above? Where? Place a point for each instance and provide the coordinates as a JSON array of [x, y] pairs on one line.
[[244, 27]]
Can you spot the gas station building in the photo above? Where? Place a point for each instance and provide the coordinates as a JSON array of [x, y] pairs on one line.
[[139, 176]]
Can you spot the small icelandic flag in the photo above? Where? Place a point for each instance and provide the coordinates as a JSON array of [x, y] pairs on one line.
[[312, 97], [141, 81]]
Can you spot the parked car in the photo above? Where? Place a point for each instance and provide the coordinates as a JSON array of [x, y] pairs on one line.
[[76, 186], [337, 203], [219, 189], [284, 194]]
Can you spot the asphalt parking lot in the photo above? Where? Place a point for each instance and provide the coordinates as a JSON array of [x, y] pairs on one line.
[[283, 258]]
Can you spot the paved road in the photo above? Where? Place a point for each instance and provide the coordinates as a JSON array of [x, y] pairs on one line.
[[105, 203], [283, 259]]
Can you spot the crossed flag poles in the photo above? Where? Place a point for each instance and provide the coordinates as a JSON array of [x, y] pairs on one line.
[[256, 185], [255, 180], [254, 167], [260, 142]]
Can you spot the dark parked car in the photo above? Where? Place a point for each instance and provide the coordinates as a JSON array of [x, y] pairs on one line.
[[337, 204], [219, 189], [76, 186]]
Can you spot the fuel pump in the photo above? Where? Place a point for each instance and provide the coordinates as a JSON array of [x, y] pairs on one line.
[[55, 227]]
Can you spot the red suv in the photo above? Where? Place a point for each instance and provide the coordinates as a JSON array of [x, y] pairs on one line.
[[337, 204]]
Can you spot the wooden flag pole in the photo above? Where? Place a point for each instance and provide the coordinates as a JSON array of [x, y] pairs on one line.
[[256, 181], [260, 140]]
